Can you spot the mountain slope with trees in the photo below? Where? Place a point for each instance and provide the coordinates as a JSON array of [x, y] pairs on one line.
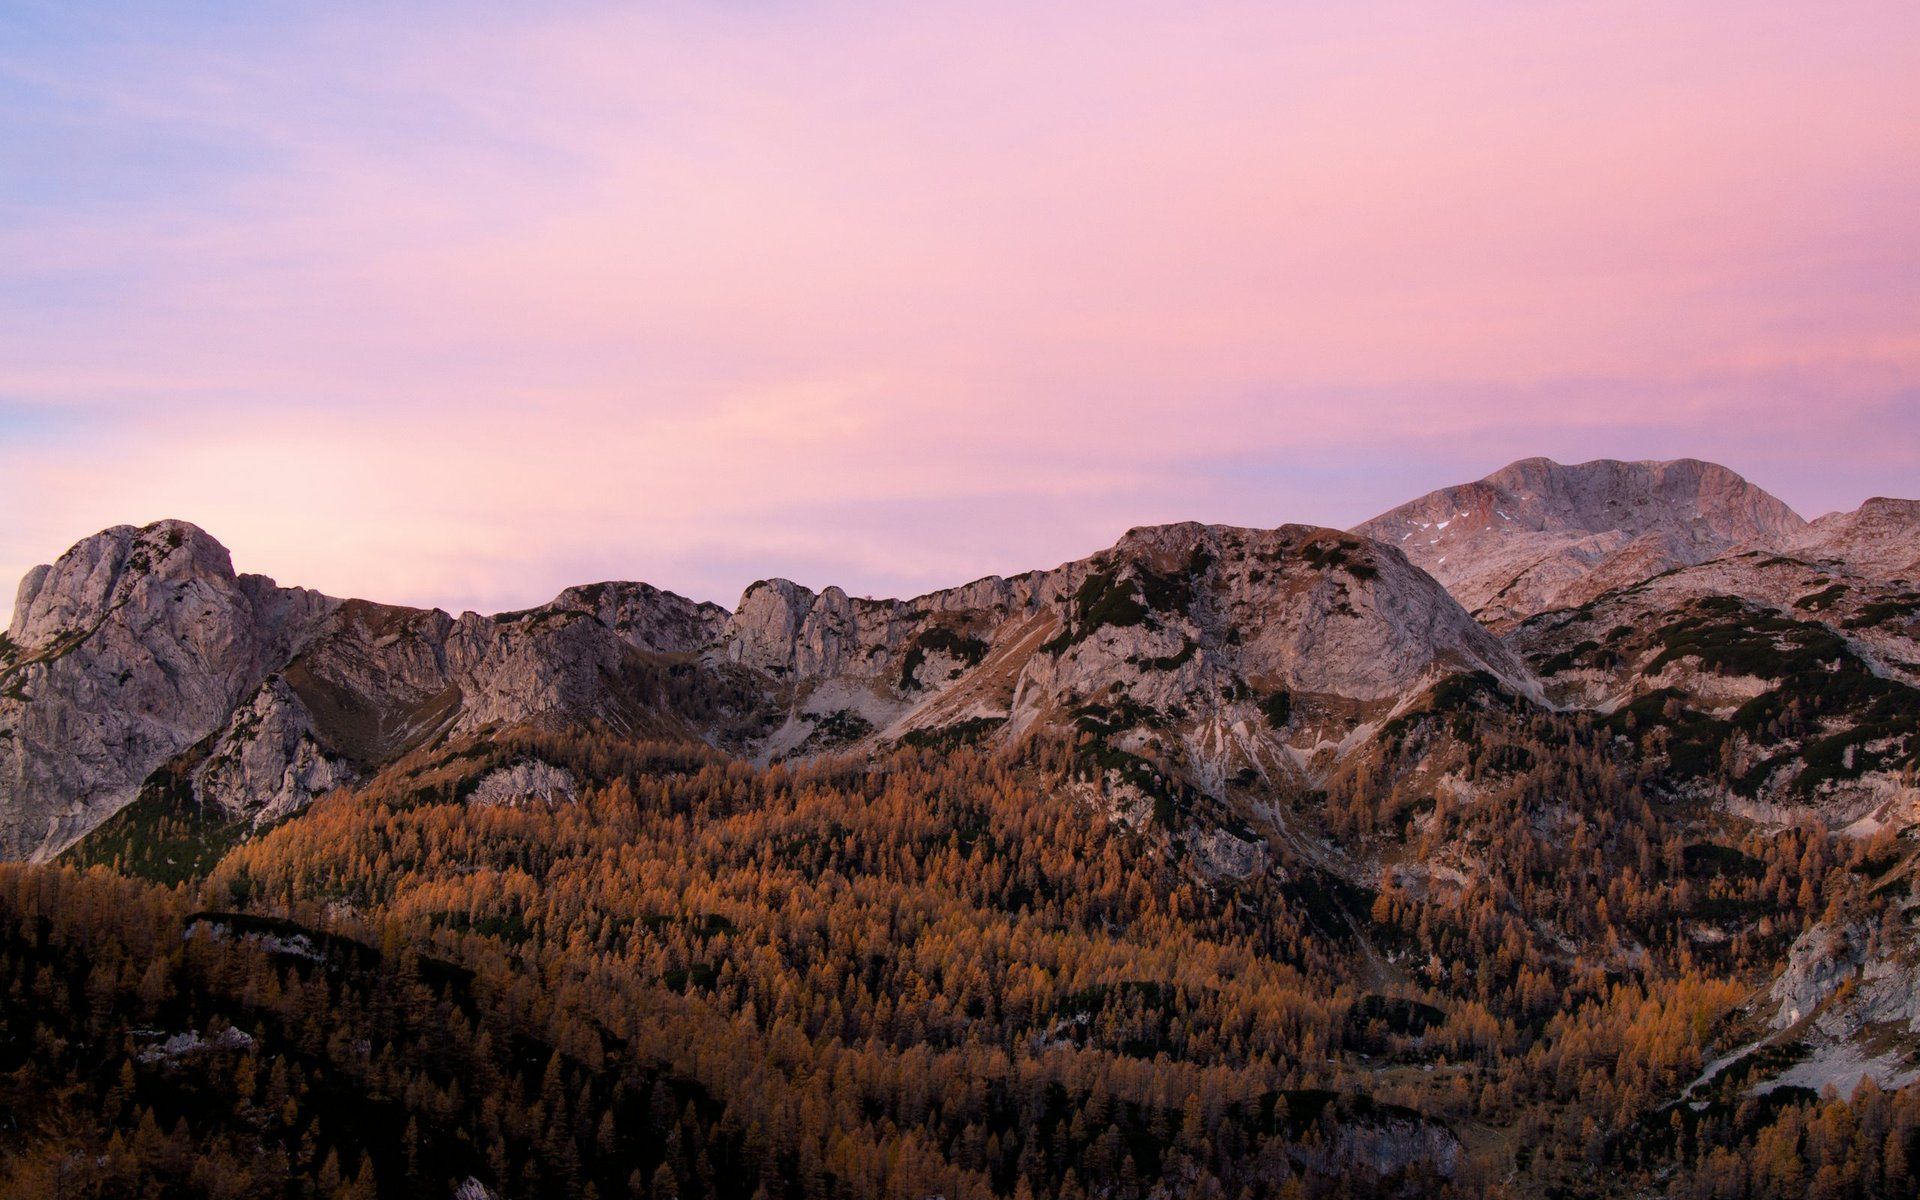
[[1224, 862]]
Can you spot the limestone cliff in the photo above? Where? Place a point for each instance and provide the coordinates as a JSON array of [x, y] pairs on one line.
[[132, 647]]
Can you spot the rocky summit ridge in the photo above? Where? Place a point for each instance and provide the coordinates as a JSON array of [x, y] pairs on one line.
[[1193, 664], [142, 649]]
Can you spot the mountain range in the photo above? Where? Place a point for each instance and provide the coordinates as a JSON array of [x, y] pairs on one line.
[[1324, 723], [141, 650]]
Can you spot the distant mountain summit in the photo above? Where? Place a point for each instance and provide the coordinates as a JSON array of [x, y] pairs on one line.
[[1538, 534]]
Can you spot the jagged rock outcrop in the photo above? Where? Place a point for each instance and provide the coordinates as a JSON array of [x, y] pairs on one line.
[[132, 647], [532, 782], [644, 617], [1538, 535], [1384, 1145], [141, 648], [1819, 961], [1846, 1001], [1205, 659], [269, 761], [1309, 609]]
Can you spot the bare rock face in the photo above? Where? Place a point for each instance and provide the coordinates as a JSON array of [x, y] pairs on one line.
[[551, 663], [141, 647], [1179, 647], [134, 646], [1537, 534], [525, 783], [269, 762], [1309, 611], [1386, 1146], [643, 616], [378, 680], [1881, 538], [1820, 960], [784, 629]]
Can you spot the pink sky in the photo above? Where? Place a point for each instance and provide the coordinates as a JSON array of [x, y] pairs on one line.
[[459, 307]]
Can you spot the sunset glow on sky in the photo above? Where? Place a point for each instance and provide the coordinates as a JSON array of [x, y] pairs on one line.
[[461, 303]]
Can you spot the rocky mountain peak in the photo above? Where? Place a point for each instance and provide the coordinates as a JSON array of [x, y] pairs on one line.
[[761, 632], [129, 649], [1645, 496], [1538, 534], [103, 571], [647, 617]]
